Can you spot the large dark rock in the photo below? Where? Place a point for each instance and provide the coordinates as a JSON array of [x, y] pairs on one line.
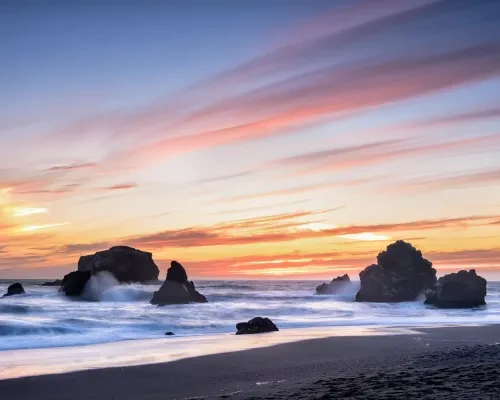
[[458, 290], [125, 263], [256, 325], [15, 288], [74, 282], [401, 274], [177, 289], [334, 286], [57, 282]]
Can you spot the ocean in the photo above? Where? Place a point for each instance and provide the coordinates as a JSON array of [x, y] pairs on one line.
[[45, 318]]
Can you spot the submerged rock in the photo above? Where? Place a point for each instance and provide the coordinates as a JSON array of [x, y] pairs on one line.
[[57, 282], [334, 285], [458, 290], [15, 288], [74, 283], [401, 274], [256, 325], [177, 289]]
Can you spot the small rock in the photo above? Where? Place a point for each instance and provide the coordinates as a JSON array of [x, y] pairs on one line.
[[15, 288], [57, 282], [256, 325], [169, 333], [334, 286], [177, 289]]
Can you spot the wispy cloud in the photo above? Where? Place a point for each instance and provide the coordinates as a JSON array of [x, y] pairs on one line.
[[31, 228], [364, 155], [301, 189], [483, 177], [71, 167], [26, 211], [121, 186], [222, 178], [311, 80], [308, 98], [288, 227]]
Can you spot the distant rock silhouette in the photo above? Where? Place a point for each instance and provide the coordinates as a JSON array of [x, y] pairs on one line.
[[57, 282], [334, 285], [256, 325], [458, 290], [125, 263], [177, 289], [15, 288], [401, 274]]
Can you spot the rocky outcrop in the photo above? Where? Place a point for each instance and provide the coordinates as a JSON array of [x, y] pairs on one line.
[[458, 290], [74, 282], [401, 274], [15, 288], [256, 325], [177, 273], [125, 263], [177, 289], [334, 286], [57, 282]]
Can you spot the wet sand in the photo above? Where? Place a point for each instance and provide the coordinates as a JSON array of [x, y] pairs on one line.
[[443, 363]]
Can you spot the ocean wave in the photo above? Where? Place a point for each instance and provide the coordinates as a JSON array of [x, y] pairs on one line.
[[11, 329], [105, 287], [13, 309], [113, 312]]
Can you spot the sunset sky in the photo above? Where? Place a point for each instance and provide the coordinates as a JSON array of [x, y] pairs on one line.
[[249, 139]]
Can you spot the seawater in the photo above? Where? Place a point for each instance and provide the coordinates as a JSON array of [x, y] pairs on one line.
[[43, 317]]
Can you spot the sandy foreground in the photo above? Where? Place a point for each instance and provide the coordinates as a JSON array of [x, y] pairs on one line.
[[444, 363]]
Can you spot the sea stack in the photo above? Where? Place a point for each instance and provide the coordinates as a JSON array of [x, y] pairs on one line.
[[177, 289], [125, 263], [334, 286], [15, 288], [401, 274], [463, 289]]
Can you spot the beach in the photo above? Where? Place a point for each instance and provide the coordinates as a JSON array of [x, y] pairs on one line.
[[444, 362]]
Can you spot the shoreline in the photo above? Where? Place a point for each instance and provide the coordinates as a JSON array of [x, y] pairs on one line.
[[273, 371], [22, 363]]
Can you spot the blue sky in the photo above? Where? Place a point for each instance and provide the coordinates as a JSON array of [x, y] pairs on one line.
[[223, 130]]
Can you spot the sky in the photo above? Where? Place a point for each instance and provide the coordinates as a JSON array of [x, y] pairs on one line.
[[249, 139]]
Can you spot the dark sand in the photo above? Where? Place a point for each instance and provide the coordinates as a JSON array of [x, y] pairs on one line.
[[444, 363]]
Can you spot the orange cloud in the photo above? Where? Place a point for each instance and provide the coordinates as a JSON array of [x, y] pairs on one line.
[[266, 229]]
